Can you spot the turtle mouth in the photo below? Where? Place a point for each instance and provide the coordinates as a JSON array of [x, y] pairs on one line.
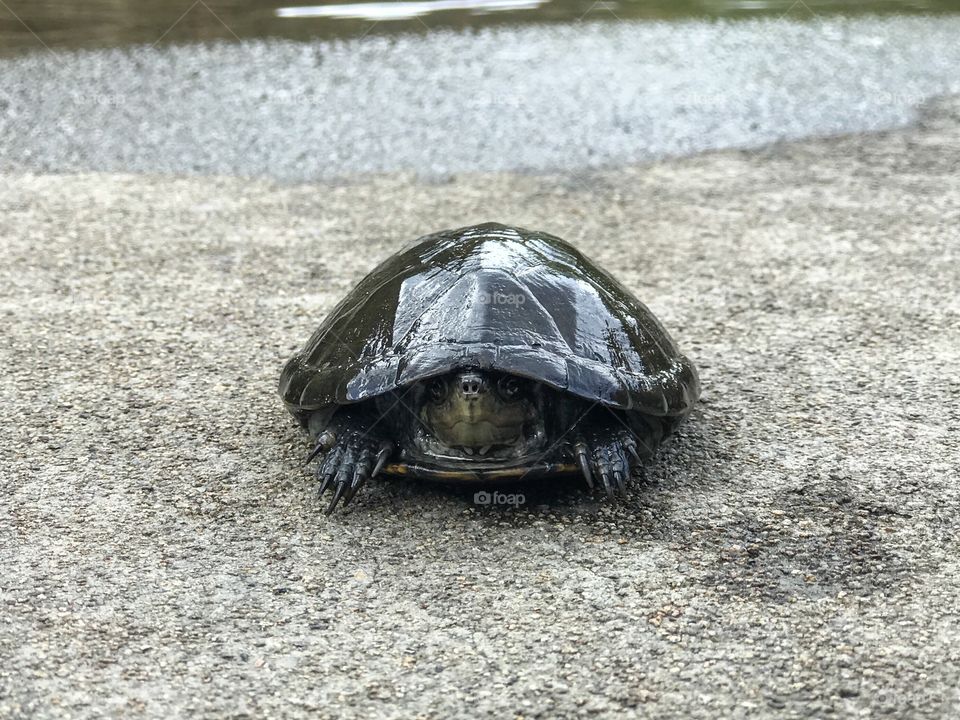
[[429, 448], [479, 437], [481, 452]]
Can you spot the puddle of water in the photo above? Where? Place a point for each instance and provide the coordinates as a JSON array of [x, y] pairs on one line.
[[400, 10], [28, 25]]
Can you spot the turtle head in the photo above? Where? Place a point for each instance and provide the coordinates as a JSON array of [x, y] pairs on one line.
[[470, 411]]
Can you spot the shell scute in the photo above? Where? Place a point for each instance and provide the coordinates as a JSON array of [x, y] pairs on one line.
[[499, 298]]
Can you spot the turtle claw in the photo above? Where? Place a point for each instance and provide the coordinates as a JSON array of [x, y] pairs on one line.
[[313, 454], [605, 477], [359, 480], [325, 441], [620, 482], [325, 483], [583, 459], [326, 471], [607, 452], [631, 447], [346, 457], [360, 475], [342, 477], [341, 488], [386, 449], [351, 492]]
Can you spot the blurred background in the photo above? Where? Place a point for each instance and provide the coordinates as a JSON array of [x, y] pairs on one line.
[[300, 93], [107, 23]]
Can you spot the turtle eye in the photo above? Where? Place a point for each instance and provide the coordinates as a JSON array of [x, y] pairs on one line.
[[436, 391], [509, 387]]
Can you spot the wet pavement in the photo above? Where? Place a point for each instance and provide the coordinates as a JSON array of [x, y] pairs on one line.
[[525, 99]]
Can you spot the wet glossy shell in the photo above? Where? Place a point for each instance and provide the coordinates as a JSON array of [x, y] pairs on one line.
[[493, 297]]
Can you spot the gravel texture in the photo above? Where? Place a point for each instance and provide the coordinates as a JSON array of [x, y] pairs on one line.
[[593, 94], [792, 553]]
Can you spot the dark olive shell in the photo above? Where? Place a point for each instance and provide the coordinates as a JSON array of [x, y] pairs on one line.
[[499, 298]]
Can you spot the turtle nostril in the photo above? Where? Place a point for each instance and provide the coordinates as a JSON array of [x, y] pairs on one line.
[[470, 386]]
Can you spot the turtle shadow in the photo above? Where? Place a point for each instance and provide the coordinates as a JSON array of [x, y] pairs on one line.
[[690, 462], [685, 464]]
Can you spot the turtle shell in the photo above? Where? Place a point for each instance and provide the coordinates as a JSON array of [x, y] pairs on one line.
[[492, 297]]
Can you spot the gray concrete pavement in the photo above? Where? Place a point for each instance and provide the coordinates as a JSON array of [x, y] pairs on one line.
[[793, 552], [531, 98]]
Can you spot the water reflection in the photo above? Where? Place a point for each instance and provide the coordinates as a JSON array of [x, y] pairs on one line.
[[30, 24], [405, 10]]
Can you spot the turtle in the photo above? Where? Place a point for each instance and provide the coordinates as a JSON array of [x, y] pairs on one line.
[[487, 354]]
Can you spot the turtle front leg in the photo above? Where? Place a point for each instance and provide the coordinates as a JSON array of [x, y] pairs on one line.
[[607, 451], [350, 453]]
